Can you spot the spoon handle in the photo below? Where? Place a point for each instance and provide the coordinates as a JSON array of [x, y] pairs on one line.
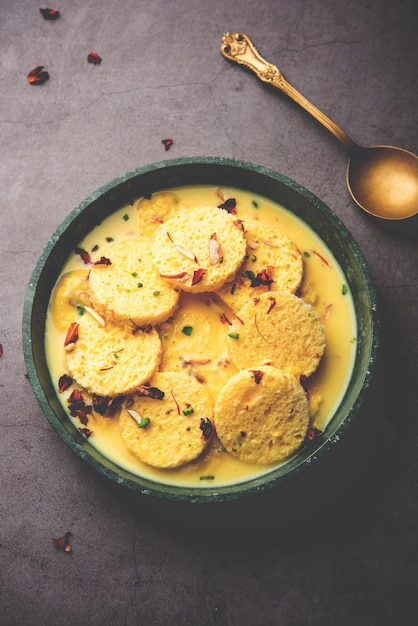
[[239, 48]]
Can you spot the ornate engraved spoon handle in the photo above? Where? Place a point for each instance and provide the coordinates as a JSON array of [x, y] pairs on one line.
[[239, 48]]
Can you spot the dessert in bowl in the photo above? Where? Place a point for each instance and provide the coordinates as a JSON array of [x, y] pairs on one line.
[[213, 276]]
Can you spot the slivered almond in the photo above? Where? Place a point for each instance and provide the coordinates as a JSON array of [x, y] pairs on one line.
[[96, 316], [84, 298], [195, 360], [186, 252], [252, 244], [179, 275], [136, 416], [214, 250]]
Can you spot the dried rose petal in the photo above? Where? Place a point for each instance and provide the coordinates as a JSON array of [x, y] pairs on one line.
[[103, 261], [38, 75], [145, 329], [262, 278], [86, 432], [167, 143], [114, 405], [150, 392], [271, 305], [63, 543], [100, 404], [229, 205], [94, 57], [198, 276], [258, 375], [313, 434], [107, 406], [1, 350], [82, 414], [50, 14], [206, 427], [78, 408], [72, 334], [64, 383], [84, 254], [265, 277]]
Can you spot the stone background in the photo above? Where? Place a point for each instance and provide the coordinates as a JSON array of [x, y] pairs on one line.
[[162, 76]]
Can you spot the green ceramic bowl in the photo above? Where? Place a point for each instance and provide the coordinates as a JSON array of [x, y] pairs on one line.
[[305, 477]]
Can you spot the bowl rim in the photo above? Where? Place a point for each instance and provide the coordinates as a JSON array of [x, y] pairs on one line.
[[198, 494]]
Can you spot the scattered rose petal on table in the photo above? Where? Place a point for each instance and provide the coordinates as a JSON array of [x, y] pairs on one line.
[[94, 57], [63, 543], [38, 75], [50, 14], [167, 143]]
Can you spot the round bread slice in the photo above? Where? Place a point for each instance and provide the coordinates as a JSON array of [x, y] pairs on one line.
[[125, 285], [280, 329], [112, 359], [154, 211], [199, 250], [262, 415], [171, 428], [272, 261]]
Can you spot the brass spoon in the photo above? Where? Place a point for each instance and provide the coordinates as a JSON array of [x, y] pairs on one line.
[[382, 180]]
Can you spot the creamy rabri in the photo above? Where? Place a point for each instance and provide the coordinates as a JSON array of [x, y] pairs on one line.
[[201, 353]]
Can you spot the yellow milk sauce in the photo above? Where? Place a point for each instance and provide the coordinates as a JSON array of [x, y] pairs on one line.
[[202, 353]]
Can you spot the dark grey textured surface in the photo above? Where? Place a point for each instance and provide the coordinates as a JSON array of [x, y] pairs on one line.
[[162, 76]]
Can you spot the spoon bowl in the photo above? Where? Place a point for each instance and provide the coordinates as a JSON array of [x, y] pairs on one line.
[[382, 180]]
